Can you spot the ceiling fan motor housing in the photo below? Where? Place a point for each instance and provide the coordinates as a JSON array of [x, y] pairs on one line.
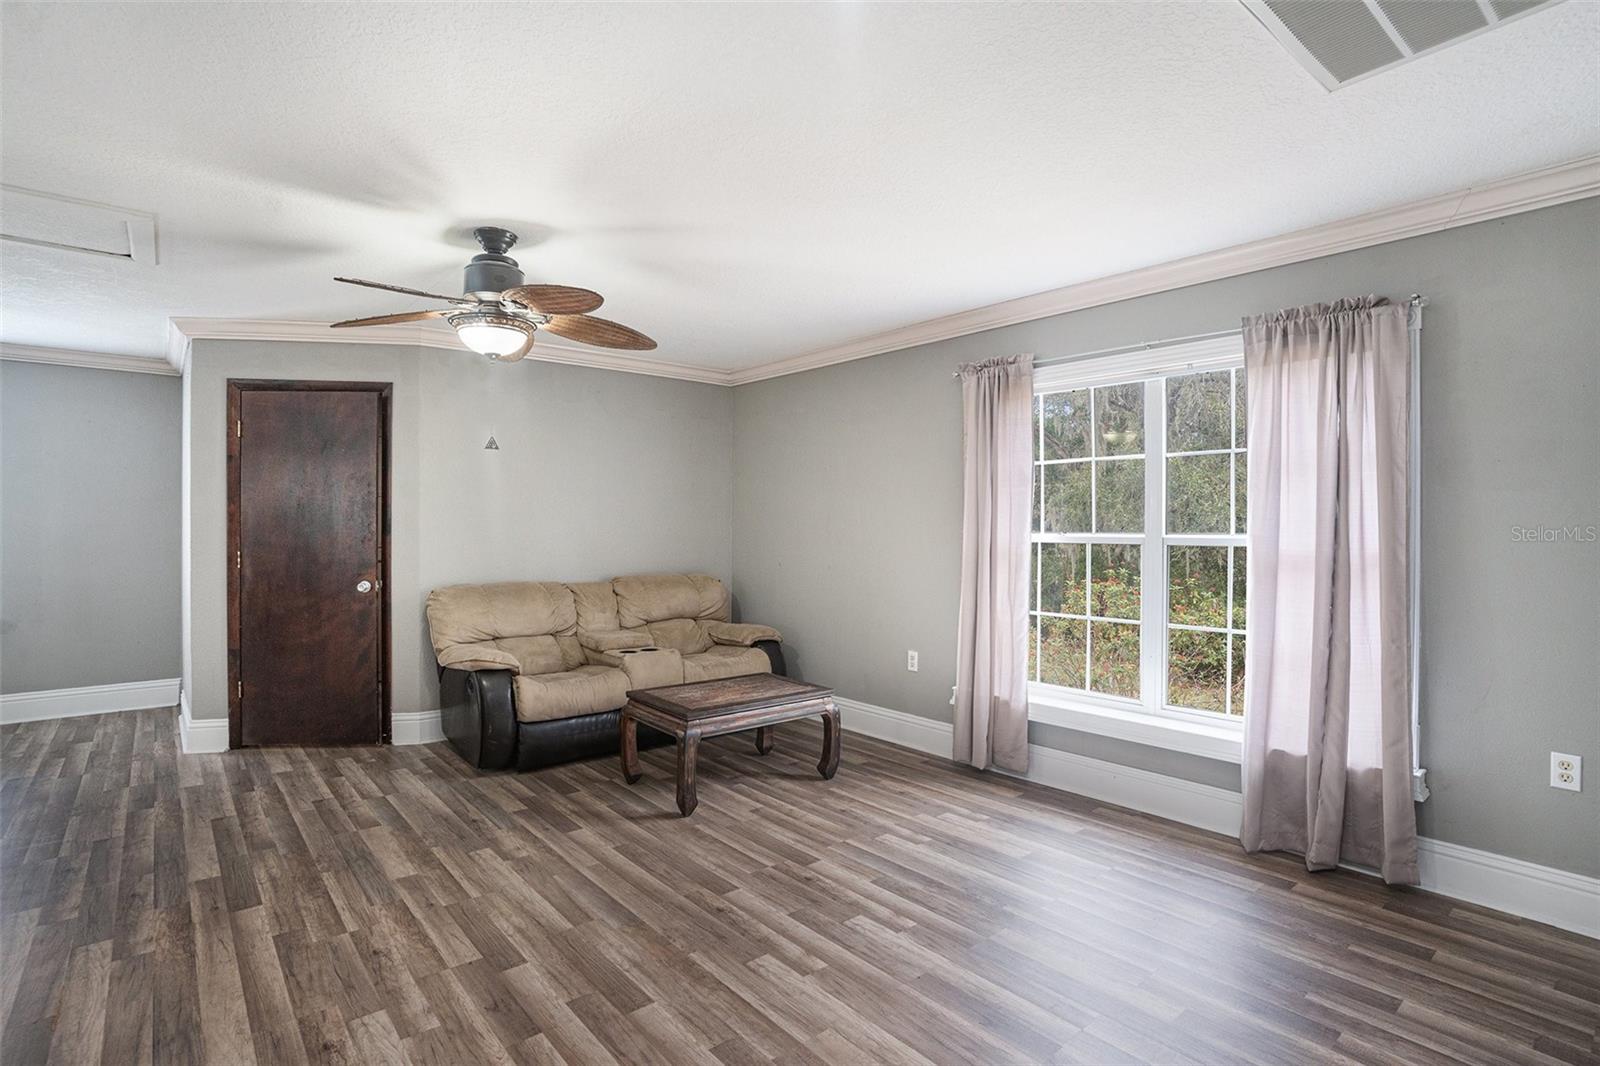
[[493, 272]]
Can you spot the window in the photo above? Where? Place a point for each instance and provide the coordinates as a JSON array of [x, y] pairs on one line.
[[1138, 594]]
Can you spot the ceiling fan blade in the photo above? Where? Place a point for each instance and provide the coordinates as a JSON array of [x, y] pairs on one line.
[[408, 292], [380, 320], [554, 299], [598, 331]]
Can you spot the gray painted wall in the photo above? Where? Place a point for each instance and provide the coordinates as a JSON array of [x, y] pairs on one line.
[[88, 527], [847, 505], [598, 473]]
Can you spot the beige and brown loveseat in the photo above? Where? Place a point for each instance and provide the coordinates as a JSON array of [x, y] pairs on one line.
[[534, 672]]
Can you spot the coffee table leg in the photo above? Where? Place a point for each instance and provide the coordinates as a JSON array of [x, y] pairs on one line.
[[688, 753], [763, 739], [630, 747], [829, 764]]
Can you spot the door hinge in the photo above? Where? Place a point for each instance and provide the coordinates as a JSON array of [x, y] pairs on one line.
[[241, 690], [238, 560], [238, 428]]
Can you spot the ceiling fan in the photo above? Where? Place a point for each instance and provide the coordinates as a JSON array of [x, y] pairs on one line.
[[498, 315]]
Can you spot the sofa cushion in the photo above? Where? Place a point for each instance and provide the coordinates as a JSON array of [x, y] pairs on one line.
[[543, 655], [468, 614], [721, 660], [569, 693], [596, 605], [645, 598], [687, 635]]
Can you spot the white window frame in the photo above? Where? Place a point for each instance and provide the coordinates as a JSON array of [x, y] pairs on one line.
[[1150, 721]]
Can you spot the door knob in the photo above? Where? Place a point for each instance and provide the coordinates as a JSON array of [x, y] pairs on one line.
[[363, 586]]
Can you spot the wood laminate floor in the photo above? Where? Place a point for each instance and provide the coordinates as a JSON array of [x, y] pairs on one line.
[[390, 905]]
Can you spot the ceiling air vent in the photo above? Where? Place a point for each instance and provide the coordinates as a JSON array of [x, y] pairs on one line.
[[1341, 41], [45, 220]]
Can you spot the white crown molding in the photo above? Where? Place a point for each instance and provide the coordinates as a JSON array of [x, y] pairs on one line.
[[185, 331], [1525, 192], [138, 364], [1558, 897], [178, 348], [87, 699]]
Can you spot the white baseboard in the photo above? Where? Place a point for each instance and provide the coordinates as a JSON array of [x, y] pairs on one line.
[[211, 735], [202, 736], [1560, 898], [1543, 893], [897, 727], [90, 699], [415, 727]]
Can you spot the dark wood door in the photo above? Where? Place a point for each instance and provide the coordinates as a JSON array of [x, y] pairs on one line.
[[307, 507]]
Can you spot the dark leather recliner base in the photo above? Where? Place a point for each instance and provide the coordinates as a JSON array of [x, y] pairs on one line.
[[589, 736]]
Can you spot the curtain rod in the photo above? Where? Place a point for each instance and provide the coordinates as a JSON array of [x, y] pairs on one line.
[[1416, 300]]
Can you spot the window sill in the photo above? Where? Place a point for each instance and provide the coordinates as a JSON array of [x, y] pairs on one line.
[[1222, 742]]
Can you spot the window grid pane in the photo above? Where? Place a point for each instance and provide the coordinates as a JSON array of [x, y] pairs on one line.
[[1114, 658], [1206, 661], [1062, 652], [1199, 412], [1197, 670]]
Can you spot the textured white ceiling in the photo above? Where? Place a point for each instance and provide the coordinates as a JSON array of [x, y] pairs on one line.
[[743, 182]]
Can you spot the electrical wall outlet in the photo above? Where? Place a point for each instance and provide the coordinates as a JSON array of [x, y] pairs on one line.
[[911, 661], [1566, 771]]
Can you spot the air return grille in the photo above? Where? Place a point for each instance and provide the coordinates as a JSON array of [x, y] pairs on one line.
[[64, 224], [1341, 41]]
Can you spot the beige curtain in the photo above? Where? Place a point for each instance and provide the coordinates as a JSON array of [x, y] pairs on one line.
[[991, 720], [1327, 752]]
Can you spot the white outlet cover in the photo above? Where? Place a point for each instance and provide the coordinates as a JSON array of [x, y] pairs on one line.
[[911, 661], [1566, 771]]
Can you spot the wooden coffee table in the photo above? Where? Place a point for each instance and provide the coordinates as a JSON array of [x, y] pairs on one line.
[[726, 705]]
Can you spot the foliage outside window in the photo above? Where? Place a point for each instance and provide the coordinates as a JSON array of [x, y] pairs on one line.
[[1138, 542]]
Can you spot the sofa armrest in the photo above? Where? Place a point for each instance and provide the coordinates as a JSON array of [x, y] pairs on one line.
[[478, 714], [603, 640], [774, 652], [475, 657], [741, 634]]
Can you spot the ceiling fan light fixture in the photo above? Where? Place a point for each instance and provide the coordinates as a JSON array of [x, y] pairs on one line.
[[504, 338]]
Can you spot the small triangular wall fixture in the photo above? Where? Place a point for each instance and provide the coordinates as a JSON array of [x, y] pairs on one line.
[[492, 446]]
